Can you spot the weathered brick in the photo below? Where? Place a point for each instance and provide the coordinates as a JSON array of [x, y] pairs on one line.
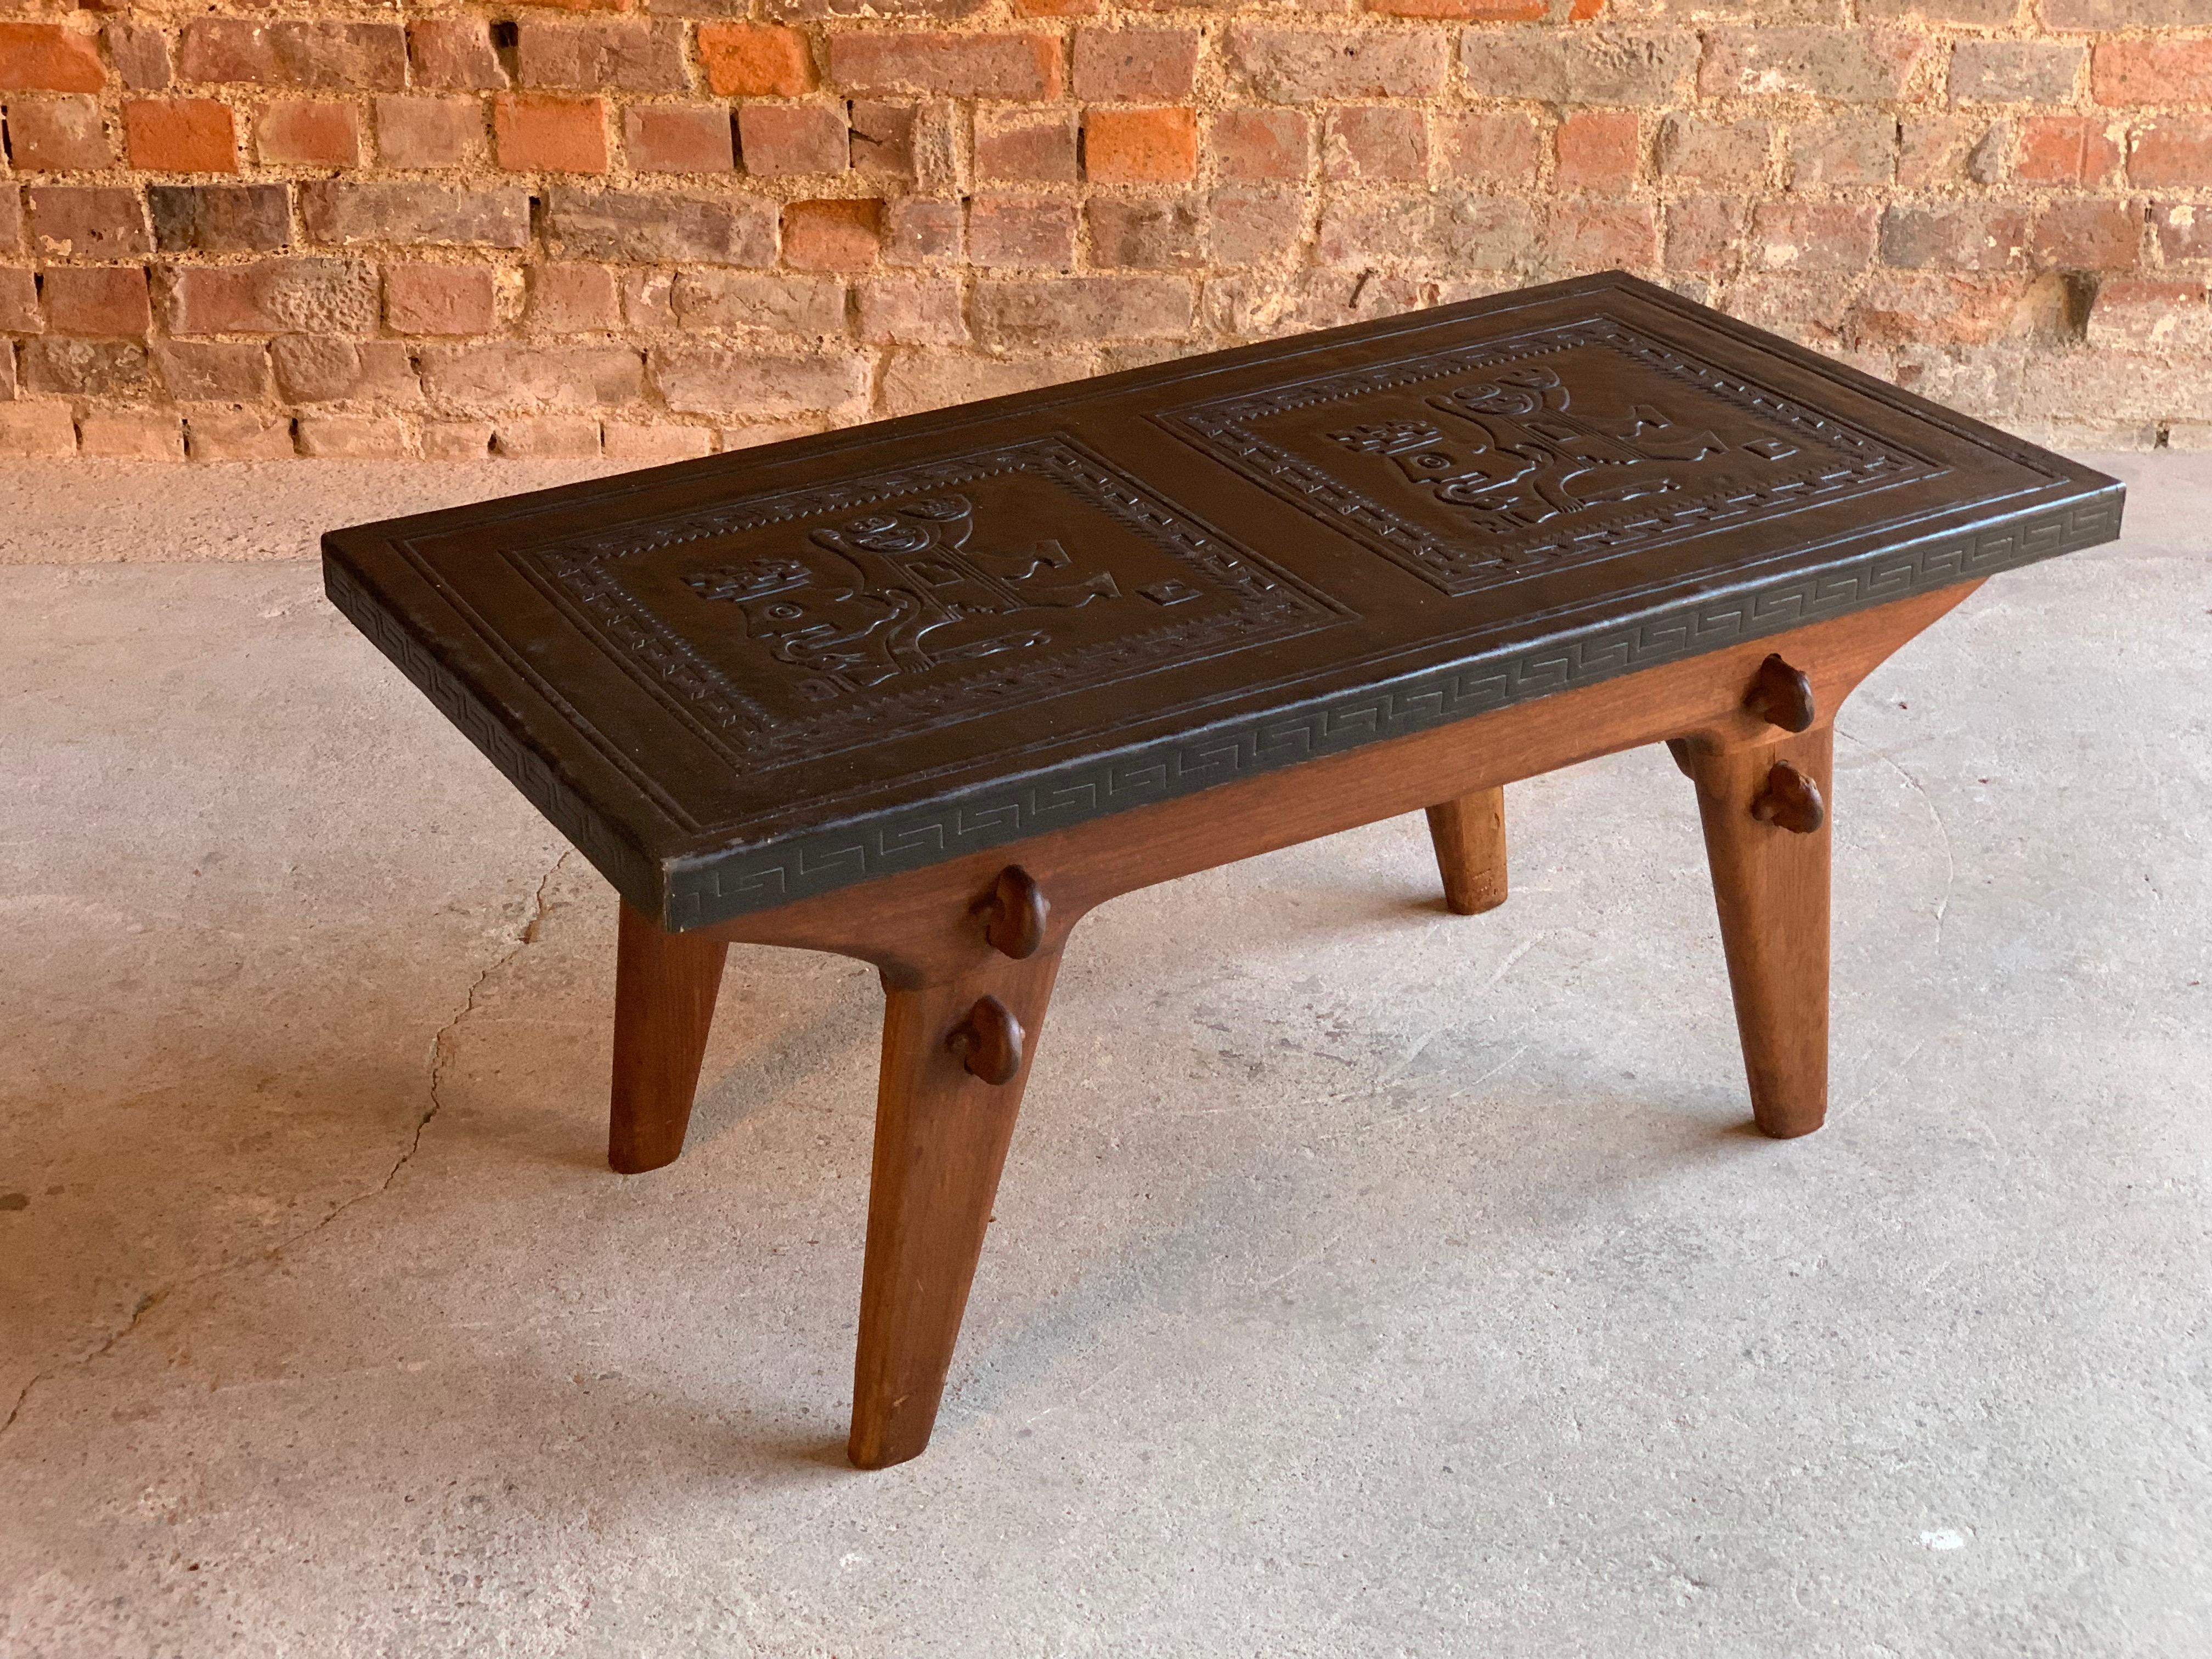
[[220, 218], [1052, 310], [920, 233], [912, 311], [1026, 142], [87, 368], [309, 133], [355, 437], [1497, 147], [429, 132], [547, 437], [238, 435], [743, 299], [2015, 71], [744, 60], [90, 221], [2172, 150], [918, 380], [631, 225], [1852, 65], [698, 378], [1476, 11], [1438, 232], [836, 235], [1145, 234], [11, 217], [648, 299], [514, 375], [359, 56], [1139, 146], [1812, 236], [1597, 149], [782, 141], [2122, 13], [622, 56], [626, 441], [1260, 145], [455, 54], [425, 299], [141, 55], [180, 135], [98, 299], [1713, 152], [1014, 233], [1296, 65], [1375, 141], [415, 213], [1946, 151], [2153, 71], [1608, 66], [133, 434], [47, 58], [1254, 227], [19, 304], [2151, 315], [678, 138], [921, 145], [534, 133], [2089, 235], [1704, 234], [1955, 236], [1984, 14], [32, 429], [2183, 228], [956, 65], [1135, 65], [269, 296], [572, 298], [1845, 150], [57, 135], [2068, 149], [215, 371], [1600, 236], [320, 369]]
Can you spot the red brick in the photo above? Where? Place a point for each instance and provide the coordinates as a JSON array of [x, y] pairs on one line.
[[1714, 152], [180, 135], [1798, 236], [1148, 235], [2089, 235], [1618, 67], [141, 53], [1597, 149], [1137, 66], [611, 55], [678, 138], [1296, 65], [1058, 8], [309, 133], [1139, 146], [1026, 142], [1467, 11], [1598, 237], [36, 429], [2185, 230], [98, 299], [1704, 234], [535, 133], [2065, 149], [2151, 71], [207, 371], [429, 132], [2172, 150], [832, 235], [270, 295], [761, 300], [572, 299], [953, 65], [653, 226], [455, 54], [1967, 236], [415, 211], [1052, 310], [1260, 145], [781, 140], [921, 233], [1012, 233], [11, 217], [47, 58], [745, 60], [86, 368], [1843, 150], [1498, 147], [57, 135], [19, 304], [220, 218], [1254, 227], [361, 57], [318, 368], [1375, 141], [93, 222], [439, 298]]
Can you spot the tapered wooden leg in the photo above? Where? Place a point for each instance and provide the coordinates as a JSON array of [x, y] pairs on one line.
[[665, 986], [1469, 834], [941, 1136], [1770, 882]]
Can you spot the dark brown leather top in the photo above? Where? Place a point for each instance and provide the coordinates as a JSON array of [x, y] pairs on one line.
[[763, 675]]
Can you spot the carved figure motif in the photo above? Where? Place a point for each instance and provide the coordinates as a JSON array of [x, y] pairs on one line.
[[900, 592]]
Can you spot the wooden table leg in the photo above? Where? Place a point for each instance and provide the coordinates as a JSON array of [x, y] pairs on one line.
[[942, 1129], [1767, 841], [665, 986], [1469, 834]]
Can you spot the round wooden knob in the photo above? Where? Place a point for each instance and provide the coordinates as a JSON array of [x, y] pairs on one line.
[[1790, 801], [1014, 912], [988, 1042], [1781, 695]]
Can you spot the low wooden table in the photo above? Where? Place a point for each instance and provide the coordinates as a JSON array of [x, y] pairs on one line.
[[926, 692]]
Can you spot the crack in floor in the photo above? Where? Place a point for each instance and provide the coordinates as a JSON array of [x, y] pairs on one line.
[[441, 1056]]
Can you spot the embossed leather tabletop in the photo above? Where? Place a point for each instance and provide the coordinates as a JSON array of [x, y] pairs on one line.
[[769, 674]]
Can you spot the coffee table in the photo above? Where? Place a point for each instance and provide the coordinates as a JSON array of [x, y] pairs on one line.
[[926, 692]]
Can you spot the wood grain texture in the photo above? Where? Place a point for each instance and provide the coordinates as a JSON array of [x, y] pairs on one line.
[[1469, 835], [664, 989], [1771, 885], [941, 1139]]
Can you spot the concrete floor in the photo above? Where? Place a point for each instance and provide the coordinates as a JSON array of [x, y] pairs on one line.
[[1366, 1280]]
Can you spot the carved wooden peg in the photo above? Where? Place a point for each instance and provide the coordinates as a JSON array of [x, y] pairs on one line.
[[1781, 695], [1013, 913], [1791, 800], [988, 1042]]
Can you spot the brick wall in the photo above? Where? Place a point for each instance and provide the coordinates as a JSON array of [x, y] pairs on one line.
[[658, 227]]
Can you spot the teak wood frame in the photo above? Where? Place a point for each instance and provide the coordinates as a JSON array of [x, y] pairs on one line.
[[962, 1010]]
